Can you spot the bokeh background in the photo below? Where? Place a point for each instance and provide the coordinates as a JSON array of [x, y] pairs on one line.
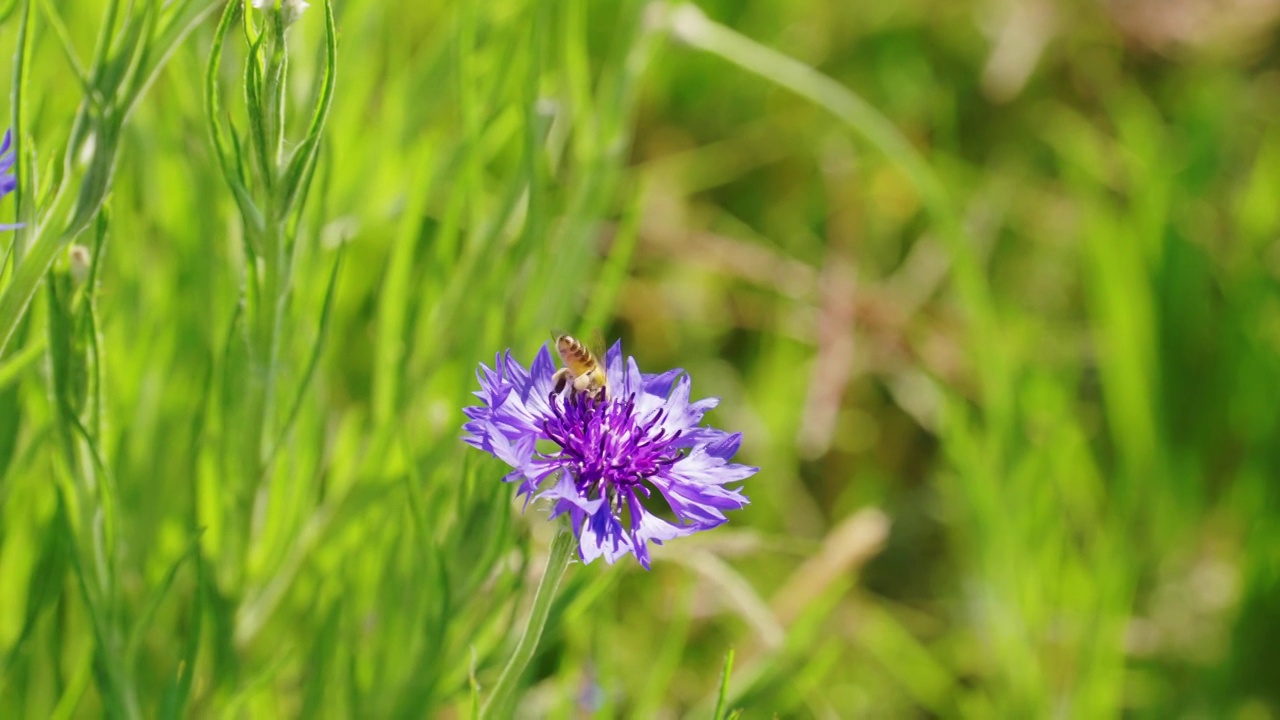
[[995, 299]]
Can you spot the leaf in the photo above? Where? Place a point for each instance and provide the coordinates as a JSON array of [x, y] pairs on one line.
[[723, 698]]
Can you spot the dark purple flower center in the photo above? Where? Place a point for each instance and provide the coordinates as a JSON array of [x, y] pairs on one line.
[[609, 451]]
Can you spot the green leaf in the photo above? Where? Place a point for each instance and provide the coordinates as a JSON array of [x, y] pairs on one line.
[[177, 693], [722, 699]]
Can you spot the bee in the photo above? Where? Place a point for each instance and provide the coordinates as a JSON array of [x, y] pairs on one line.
[[582, 373]]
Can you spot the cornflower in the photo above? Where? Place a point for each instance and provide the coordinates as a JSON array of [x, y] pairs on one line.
[[601, 461], [8, 180]]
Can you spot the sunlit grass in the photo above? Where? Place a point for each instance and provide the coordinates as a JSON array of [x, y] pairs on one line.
[[1008, 354]]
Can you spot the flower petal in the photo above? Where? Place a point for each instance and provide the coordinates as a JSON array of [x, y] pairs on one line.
[[613, 368], [566, 491]]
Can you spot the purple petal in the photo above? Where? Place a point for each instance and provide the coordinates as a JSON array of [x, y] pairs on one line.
[[725, 447], [702, 466], [600, 535], [565, 490], [515, 450], [694, 437], [655, 530], [613, 364], [660, 384]]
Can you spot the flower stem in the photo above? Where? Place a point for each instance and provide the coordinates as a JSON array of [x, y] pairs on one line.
[[499, 702]]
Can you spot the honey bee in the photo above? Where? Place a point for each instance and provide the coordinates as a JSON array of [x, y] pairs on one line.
[[582, 373]]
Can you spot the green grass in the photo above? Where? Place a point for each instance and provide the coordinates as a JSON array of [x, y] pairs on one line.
[[1006, 351]]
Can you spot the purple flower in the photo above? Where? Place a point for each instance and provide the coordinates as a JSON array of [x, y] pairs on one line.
[[609, 455], [8, 181]]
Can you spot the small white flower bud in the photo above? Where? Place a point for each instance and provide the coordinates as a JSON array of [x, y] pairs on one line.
[[79, 259], [290, 10]]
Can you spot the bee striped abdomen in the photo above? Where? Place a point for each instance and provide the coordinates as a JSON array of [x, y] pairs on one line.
[[576, 355]]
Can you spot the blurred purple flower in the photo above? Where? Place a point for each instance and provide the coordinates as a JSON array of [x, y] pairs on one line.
[[609, 453], [8, 181]]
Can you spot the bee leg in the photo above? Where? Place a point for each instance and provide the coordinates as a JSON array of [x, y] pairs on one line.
[[592, 390], [559, 380]]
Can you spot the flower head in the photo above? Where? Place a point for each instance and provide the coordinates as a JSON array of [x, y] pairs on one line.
[[290, 10], [606, 462], [8, 180]]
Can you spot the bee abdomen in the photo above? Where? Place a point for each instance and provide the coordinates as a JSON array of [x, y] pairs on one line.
[[571, 349]]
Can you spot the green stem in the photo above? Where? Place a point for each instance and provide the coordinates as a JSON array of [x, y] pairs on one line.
[[503, 693]]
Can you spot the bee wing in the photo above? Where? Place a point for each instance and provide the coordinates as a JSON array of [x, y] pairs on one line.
[[595, 343], [556, 334]]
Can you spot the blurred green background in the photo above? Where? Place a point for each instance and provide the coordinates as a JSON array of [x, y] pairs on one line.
[[995, 299]]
